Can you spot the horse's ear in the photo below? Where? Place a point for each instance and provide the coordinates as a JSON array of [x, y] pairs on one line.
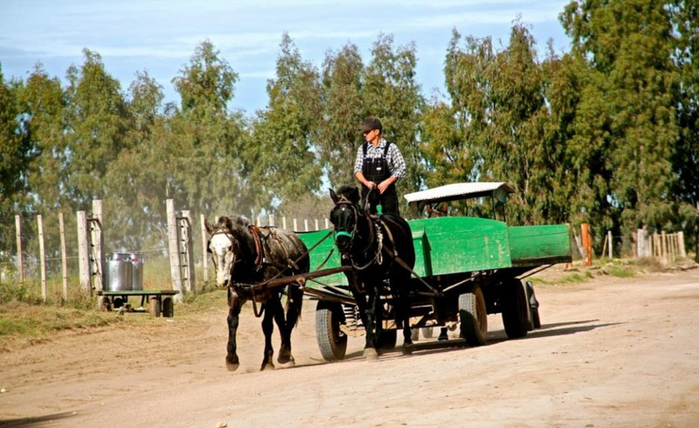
[[209, 228], [354, 195], [229, 224], [333, 196]]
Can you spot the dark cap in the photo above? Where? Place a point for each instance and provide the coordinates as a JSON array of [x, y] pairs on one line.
[[371, 123]]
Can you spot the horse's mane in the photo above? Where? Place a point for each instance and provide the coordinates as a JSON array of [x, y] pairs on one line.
[[228, 222]]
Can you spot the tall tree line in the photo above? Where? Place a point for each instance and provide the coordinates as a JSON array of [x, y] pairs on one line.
[[605, 133]]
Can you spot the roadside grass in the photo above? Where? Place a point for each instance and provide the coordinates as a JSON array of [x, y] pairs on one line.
[[618, 268], [25, 318]]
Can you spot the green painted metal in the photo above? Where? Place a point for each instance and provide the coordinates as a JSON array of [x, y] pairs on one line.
[[536, 245], [446, 245]]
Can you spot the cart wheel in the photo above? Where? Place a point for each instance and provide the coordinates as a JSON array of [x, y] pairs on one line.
[[427, 332], [533, 305], [514, 308], [168, 308], [154, 307], [331, 340], [118, 302], [388, 339], [473, 316], [105, 304]]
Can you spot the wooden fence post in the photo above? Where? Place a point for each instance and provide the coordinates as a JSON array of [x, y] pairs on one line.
[[284, 222], [609, 236], [173, 247], [271, 220], [42, 255], [204, 250], [83, 254], [64, 256], [20, 262], [295, 227]]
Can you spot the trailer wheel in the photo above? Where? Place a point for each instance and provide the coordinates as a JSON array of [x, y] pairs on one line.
[[533, 305], [514, 308], [474, 318], [332, 342], [168, 308]]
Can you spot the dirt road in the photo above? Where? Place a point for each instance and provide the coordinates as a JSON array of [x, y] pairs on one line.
[[611, 352]]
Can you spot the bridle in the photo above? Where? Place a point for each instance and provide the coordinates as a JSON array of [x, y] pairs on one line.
[[352, 234]]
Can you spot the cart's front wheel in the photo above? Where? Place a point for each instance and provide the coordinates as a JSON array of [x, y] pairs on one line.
[[474, 318], [332, 341]]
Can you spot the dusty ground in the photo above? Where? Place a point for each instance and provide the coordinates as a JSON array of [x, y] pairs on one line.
[[611, 352]]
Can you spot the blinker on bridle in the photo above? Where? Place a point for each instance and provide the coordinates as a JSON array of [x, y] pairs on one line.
[[350, 235]]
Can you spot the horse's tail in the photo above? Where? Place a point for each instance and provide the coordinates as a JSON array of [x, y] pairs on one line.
[[294, 304]]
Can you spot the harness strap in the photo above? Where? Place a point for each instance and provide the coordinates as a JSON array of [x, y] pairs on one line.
[[255, 232]]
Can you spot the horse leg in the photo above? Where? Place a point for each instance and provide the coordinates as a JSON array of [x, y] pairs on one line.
[[371, 326], [268, 328], [402, 312], [293, 312], [234, 303]]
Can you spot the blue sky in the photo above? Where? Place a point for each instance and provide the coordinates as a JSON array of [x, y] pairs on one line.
[[160, 36]]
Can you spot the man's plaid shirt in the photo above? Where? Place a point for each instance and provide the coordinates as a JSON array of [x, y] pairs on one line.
[[396, 164]]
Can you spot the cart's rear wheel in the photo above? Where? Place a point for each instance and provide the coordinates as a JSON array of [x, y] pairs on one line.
[[474, 318], [514, 308], [533, 305], [168, 308], [331, 340]]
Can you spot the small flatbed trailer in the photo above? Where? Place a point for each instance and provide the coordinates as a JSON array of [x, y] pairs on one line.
[[157, 302], [466, 268]]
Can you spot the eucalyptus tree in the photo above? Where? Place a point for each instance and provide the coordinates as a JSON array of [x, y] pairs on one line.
[[685, 21], [205, 170], [136, 180], [44, 105], [342, 114], [285, 134], [97, 119], [15, 155], [390, 92], [631, 119]]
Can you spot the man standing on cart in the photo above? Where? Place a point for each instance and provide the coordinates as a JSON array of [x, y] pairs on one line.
[[378, 166]]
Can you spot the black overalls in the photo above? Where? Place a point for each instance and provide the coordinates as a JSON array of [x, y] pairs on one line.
[[376, 170]]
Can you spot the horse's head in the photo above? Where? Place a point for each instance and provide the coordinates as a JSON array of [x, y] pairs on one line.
[[222, 246], [344, 216]]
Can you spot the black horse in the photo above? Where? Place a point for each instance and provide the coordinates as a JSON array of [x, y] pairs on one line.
[[244, 254], [381, 253]]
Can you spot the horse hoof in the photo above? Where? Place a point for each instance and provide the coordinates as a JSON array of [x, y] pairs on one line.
[[408, 348], [286, 360], [370, 354], [284, 356], [232, 363], [268, 366]]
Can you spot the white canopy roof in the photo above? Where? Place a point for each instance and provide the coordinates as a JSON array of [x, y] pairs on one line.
[[456, 191]]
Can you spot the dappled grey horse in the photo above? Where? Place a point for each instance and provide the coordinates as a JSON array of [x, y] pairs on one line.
[[244, 254]]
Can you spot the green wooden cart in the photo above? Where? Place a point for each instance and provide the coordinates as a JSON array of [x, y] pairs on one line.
[[466, 268]]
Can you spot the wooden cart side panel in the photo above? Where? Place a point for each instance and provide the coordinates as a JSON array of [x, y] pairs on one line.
[[532, 245], [464, 244]]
